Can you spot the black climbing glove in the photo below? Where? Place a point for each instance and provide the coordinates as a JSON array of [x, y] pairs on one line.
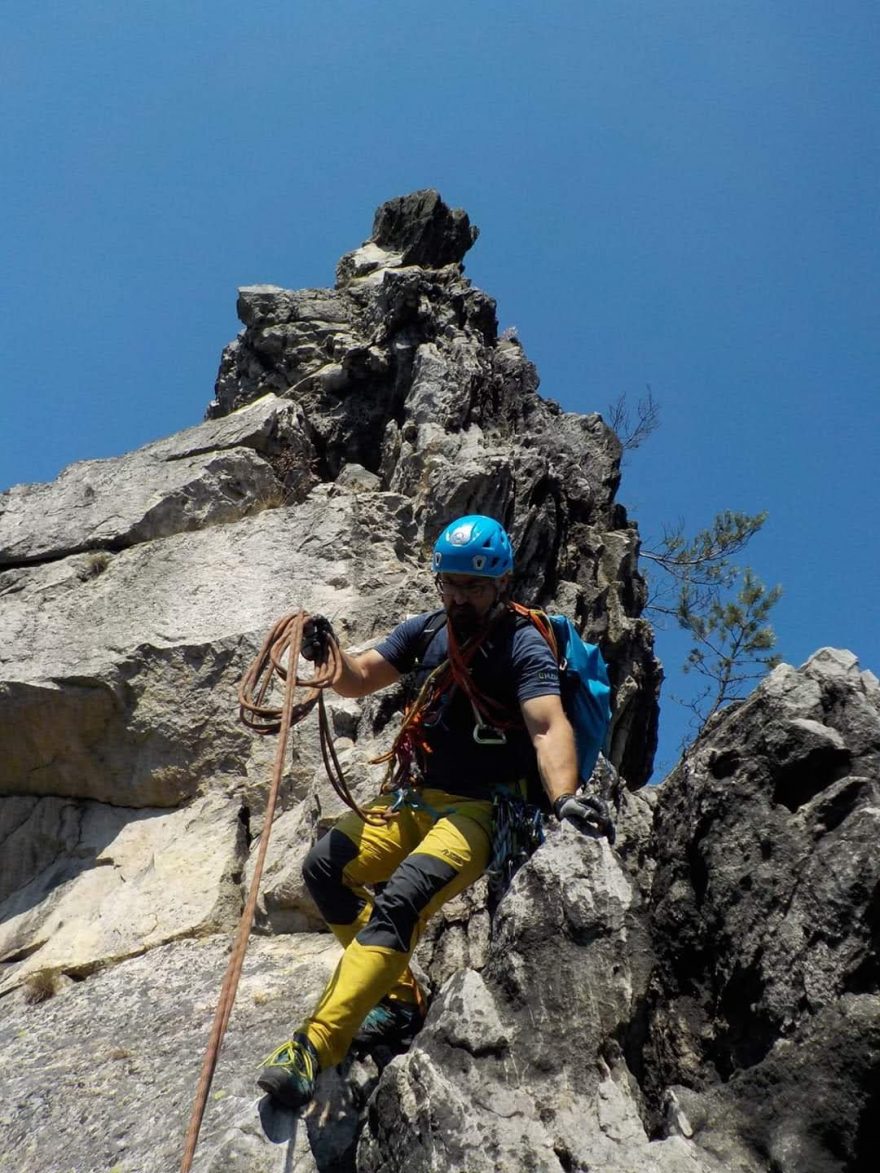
[[586, 812], [317, 634]]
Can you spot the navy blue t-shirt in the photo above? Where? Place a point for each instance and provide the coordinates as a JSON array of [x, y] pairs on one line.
[[514, 664]]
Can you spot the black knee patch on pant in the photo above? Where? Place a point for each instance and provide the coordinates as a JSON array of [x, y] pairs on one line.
[[402, 901], [322, 871]]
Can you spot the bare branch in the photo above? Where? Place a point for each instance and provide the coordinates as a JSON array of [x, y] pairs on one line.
[[634, 425]]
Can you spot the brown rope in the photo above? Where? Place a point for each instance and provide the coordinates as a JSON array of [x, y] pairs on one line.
[[282, 643]]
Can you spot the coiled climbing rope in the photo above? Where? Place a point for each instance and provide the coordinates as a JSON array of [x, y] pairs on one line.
[[257, 684], [275, 662]]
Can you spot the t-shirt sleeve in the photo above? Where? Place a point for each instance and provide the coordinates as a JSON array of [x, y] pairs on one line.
[[534, 666], [401, 646]]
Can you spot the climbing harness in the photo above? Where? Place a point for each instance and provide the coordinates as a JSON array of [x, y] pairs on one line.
[[275, 662]]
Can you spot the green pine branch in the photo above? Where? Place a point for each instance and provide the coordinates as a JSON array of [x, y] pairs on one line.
[[725, 607], [697, 583]]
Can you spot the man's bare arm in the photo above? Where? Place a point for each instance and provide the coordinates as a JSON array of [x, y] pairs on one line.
[[553, 739], [364, 673]]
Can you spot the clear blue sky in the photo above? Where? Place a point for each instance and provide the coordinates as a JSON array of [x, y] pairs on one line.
[[682, 195]]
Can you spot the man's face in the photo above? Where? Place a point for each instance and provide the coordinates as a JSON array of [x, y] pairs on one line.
[[468, 599]]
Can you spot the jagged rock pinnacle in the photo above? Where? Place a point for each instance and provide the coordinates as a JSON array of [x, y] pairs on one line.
[[415, 229], [424, 229]]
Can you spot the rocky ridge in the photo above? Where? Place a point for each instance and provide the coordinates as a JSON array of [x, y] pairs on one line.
[[704, 996]]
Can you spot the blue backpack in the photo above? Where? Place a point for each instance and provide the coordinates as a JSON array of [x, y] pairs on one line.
[[586, 692]]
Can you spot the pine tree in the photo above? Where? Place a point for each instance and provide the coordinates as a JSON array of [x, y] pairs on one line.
[[724, 607]]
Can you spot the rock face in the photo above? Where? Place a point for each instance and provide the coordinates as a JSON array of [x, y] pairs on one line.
[[207, 475], [764, 1010], [702, 997], [715, 985]]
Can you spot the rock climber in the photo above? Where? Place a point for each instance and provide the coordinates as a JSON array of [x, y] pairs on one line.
[[439, 841]]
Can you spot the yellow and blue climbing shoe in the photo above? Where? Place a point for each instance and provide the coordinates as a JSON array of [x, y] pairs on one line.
[[289, 1073]]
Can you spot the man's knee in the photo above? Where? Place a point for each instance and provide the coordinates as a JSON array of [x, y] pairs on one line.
[[400, 905], [323, 866]]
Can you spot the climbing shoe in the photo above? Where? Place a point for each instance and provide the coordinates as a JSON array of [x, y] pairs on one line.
[[289, 1073], [389, 1024]]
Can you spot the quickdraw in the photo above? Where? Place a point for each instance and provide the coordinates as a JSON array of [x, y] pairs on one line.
[[518, 833]]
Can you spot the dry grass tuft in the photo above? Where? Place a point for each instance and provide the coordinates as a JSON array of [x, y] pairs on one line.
[[40, 987], [275, 498], [94, 565]]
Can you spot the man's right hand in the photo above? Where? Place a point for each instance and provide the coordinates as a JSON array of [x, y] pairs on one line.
[[317, 634], [587, 812]]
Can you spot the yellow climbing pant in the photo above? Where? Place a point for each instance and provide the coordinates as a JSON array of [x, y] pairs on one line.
[[415, 863]]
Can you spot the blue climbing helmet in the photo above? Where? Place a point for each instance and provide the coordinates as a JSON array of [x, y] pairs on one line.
[[473, 545]]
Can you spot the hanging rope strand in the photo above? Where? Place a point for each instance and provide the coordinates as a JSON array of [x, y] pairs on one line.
[[292, 635], [276, 660]]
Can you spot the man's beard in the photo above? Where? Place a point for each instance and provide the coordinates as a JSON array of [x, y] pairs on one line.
[[466, 621]]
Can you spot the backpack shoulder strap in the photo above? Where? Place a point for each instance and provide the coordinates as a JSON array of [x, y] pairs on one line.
[[586, 692], [583, 677], [434, 624], [540, 620]]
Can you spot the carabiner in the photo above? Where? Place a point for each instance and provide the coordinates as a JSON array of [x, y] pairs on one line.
[[486, 735]]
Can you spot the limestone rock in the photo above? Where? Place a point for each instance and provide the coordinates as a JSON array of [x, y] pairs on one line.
[[213, 473], [718, 994], [457, 939], [417, 229], [122, 687], [285, 905], [103, 1075], [423, 230], [91, 884]]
